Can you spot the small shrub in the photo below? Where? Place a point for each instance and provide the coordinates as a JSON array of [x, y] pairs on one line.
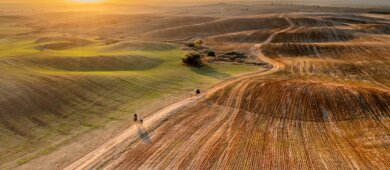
[[235, 55], [191, 45], [211, 53], [192, 59], [198, 42]]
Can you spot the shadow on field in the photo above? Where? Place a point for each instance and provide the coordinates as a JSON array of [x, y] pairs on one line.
[[143, 134], [209, 71]]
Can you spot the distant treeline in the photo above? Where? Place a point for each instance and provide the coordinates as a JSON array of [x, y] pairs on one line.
[[380, 12]]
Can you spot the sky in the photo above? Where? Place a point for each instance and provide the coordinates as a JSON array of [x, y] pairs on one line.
[[363, 3]]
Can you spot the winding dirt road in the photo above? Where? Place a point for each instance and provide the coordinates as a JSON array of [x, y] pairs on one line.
[[132, 133]]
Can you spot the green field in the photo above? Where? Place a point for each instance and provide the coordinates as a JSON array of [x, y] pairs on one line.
[[56, 87]]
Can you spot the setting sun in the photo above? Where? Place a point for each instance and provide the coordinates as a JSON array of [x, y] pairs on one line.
[[87, 1]]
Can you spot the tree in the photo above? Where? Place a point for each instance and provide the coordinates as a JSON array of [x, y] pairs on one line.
[[192, 59], [211, 53]]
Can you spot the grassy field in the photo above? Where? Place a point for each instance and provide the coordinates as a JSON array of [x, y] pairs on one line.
[[55, 86]]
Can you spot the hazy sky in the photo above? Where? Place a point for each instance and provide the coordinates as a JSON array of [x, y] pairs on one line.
[[322, 2]]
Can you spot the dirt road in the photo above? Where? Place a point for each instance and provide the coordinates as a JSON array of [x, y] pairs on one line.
[[132, 132]]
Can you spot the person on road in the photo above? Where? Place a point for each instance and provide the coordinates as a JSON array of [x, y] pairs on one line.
[[141, 119], [135, 117], [197, 92]]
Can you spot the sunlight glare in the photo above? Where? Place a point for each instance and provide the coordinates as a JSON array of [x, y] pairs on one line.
[[87, 1]]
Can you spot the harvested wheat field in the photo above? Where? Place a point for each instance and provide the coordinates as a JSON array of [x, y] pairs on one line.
[[282, 87]]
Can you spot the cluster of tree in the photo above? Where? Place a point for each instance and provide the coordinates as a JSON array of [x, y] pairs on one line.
[[234, 55], [380, 12], [193, 59], [292, 4]]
